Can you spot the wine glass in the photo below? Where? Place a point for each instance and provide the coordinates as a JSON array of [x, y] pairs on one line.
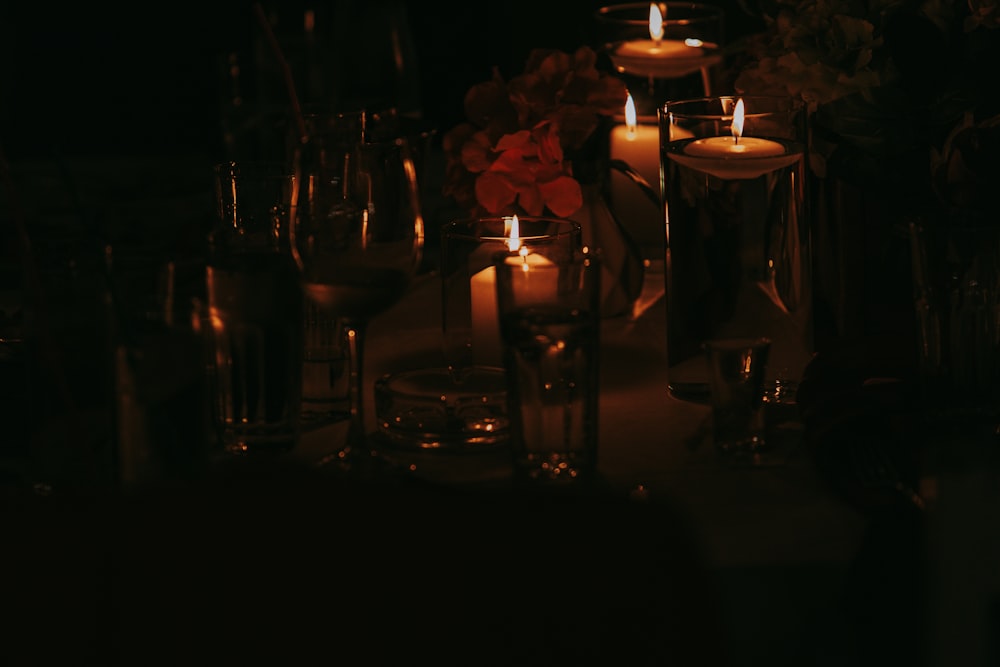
[[357, 233]]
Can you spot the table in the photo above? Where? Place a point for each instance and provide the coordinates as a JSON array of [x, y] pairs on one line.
[[776, 548], [650, 441], [779, 542]]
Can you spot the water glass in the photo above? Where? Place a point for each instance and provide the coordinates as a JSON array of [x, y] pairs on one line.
[[255, 306], [468, 297], [549, 311]]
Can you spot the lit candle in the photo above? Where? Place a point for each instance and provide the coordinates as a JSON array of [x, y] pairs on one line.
[[663, 58], [638, 145], [531, 284], [486, 346], [735, 156]]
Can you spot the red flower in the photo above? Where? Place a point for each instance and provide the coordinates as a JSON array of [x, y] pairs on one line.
[[510, 155]]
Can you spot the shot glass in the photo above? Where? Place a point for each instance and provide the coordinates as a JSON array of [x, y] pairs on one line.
[[549, 313], [736, 371], [255, 306]]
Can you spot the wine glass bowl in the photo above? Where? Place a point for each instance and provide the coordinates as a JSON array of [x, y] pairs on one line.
[[357, 231]]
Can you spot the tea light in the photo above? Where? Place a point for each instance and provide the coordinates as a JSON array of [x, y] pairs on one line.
[[736, 156]]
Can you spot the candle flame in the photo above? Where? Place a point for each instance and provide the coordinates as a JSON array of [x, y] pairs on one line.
[[693, 42], [738, 116], [630, 117], [512, 229], [655, 22]]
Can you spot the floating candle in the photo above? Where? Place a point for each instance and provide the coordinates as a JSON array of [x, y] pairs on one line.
[[735, 156], [663, 58]]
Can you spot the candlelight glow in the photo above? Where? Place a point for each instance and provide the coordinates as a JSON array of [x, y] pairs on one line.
[[738, 116], [523, 252], [693, 42], [630, 116], [655, 22]]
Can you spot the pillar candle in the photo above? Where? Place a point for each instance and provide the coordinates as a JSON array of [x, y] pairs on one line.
[[638, 145], [485, 322]]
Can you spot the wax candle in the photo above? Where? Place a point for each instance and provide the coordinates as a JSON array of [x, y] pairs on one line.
[[735, 156], [486, 346], [534, 284], [638, 145], [663, 58], [485, 325]]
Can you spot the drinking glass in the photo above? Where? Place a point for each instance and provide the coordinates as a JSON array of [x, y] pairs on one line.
[[255, 310], [357, 234], [451, 419], [549, 308], [468, 281]]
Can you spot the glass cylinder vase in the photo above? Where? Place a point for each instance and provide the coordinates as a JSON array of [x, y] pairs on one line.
[[738, 238]]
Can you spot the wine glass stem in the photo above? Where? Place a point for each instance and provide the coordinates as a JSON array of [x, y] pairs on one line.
[[354, 334]]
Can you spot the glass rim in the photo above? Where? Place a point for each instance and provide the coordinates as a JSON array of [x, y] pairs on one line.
[[781, 104], [700, 12], [459, 229]]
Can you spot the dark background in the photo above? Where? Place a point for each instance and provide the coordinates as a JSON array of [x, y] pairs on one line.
[[92, 78]]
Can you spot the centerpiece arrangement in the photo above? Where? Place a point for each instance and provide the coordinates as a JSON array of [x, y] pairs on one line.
[[537, 144]]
